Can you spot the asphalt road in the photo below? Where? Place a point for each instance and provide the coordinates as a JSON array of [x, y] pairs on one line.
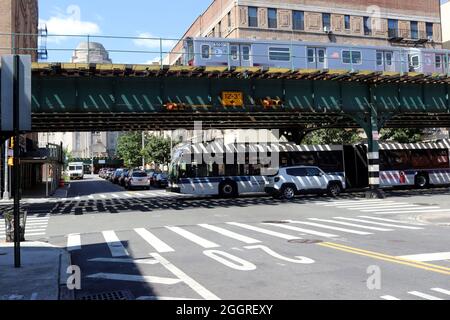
[[156, 245]]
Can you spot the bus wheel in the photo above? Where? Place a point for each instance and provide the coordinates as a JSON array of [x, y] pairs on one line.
[[228, 189], [421, 181]]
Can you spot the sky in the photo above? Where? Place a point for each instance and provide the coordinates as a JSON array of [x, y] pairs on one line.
[[133, 18]]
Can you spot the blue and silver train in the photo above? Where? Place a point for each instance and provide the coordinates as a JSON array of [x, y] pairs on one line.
[[312, 55]]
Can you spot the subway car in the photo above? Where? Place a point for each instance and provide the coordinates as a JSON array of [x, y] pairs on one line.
[[311, 55]]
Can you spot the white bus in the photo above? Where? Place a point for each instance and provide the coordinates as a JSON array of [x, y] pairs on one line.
[[76, 170], [250, 175], [418, 165]]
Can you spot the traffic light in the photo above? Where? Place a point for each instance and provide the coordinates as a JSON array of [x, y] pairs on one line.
[[11, 143]]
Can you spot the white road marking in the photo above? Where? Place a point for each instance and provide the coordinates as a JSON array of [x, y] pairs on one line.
[[152, 240], [194, 285], [379, 223], [34, 234], [128, 195], [334, 203], [138, 194], [447, 292], [389, 298], [413, 211], [102, 196], [307, 231], [265, 231], [363, 205], [324, 226], [424, 295], [91, 197], [112, 260], [133, 278], [428, 257], [235, 263], [77, 198], [390, 220], [386, 207], [299, 260], [73, 242], [115, 196], [194, 238], [114, 244], [230, 234], [401, 209], [350, 224]]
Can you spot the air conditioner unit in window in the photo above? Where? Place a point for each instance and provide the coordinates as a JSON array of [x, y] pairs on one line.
[[430, 38], [326, 29]]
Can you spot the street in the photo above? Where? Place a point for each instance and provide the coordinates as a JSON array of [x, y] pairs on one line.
[[153, 245]]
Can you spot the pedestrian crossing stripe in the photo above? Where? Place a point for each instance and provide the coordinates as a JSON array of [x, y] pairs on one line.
[[421, 295]]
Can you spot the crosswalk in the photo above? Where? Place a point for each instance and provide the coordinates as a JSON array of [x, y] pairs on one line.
[[207, 236], [128, 195], [432, 294], [35, 227], [381, 206]]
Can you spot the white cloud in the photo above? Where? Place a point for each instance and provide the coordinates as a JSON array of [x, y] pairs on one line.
[[148, 41], [69, 23]]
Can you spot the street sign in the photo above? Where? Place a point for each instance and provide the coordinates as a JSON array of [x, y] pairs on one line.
[[6, 92], [101, 161], [232, 99]]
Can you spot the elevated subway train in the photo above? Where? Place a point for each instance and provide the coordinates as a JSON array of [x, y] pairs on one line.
[[312, 55]]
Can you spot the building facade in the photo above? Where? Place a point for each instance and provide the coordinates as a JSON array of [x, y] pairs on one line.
[[19, 17], [368, 22], [445, 15]]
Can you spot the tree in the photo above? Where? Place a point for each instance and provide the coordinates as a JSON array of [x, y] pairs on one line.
[[332, 136], [129, 149], [402, 135], [157, 149]]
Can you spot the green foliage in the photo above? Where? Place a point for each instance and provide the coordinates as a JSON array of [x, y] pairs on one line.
[[157, 149], [402, 135], [129, 149], [332, 136]]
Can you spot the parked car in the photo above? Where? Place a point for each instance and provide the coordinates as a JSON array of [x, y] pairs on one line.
[[291, 181], [109, 174], [116, 175], [161, 180], [138, 179], [124, 177]]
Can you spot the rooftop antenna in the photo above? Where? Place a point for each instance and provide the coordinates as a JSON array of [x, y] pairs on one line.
[[42, 42]]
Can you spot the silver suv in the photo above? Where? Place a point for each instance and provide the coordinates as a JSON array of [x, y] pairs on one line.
[[291, 181]]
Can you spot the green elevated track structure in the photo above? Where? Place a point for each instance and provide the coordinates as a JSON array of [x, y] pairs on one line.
[[110, 97]]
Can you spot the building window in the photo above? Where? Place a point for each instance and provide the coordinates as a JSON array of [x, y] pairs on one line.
[[379, 58], [219, 27], [326, 21], [311, 55], [252, 17], [279, 54], [438, 62], [347, 22], [229, 19], [353, 57], [393, 28], [246, 53], [298, 20], [206, 51], [429, 28], [234, 53], [414, 30], [367, 26], [272, 14]]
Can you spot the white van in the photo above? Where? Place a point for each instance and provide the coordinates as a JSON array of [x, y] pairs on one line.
[[76, 170]]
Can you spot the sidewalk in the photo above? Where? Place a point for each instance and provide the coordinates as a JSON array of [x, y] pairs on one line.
[[60, 193], [42, 276]]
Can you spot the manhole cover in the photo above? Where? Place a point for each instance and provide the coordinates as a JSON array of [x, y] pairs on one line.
[[305, 241], [112, 295], [276, 222]]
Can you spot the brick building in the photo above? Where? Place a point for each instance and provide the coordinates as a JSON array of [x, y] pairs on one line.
[[19, 17], [369, 22]]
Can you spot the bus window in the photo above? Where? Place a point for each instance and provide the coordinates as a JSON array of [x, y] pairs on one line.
[[439, 159], [397, 160], [420, 159], [330, 161]]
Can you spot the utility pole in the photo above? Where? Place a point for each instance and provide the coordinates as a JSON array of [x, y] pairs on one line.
[[143, 147], [6, 194], [16, 167]]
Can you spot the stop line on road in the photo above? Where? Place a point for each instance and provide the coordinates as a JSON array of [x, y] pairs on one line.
[[437, 294]]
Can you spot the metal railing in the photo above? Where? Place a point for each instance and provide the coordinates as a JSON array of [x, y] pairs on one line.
[[409, 34]]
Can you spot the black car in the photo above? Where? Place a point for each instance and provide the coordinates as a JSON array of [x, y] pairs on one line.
[[123, 177]]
